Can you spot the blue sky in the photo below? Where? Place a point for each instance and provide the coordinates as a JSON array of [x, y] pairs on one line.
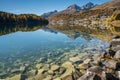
[[41, 6]]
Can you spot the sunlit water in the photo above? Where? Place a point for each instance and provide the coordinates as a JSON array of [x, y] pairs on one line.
[[21, 48]]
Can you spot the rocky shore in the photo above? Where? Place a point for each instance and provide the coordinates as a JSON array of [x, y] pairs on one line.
[[88, 65], [105, 66]]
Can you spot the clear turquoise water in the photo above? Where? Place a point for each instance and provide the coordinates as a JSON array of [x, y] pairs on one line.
[[26, 47]]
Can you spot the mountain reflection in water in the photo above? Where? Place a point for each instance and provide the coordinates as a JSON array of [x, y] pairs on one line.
[[32, 44]]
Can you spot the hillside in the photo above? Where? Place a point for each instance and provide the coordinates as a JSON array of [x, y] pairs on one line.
[[89, 15], [10, 19], [112, 4], [95, 13]]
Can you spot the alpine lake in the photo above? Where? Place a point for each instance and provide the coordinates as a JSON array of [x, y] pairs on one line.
[[33, 47]]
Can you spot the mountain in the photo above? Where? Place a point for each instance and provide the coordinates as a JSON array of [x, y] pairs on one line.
[[75, 8], [46, 15], [88, 6], [112, 4], [70, 10]]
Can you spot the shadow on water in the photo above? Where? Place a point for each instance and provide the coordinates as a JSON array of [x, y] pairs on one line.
[[7, 29], [83, 31], [72, 32]]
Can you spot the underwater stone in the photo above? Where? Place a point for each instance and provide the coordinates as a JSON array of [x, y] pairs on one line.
[[62, 70], [30, 78], [17, 77], [69, 69], [49, 77], [76, 60], [96, 63], [46, 67], [50, 72], [39, 77], [15, 71], [32, 73], [23, 68], [55, 67], [41, 71], [3, 74], [57, 79], [84, 66], [86, 61], [38, 66]]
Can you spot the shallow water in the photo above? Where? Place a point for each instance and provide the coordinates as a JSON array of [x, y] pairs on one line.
[[28, 46]]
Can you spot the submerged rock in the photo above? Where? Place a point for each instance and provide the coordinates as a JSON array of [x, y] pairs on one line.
[[38, 66], [87, 61], [76, 60], [17, 77], [55, 68], [96, 63], [71, 73], [48, 78], [3, 74], [41, 71], [46, 67], [15, 71], [32, 73], [23, 69], [69, 69], [39, 77], [84, 66], [50, 72], [57, 79], [62, 70]]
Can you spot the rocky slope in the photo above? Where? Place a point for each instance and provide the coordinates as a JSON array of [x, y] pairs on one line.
[[48, 14], [108, 5]]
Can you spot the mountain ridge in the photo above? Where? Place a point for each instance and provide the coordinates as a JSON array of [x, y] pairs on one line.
[[70, 9]]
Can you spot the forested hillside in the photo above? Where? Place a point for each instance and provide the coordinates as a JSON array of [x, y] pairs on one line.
[[9, 18]]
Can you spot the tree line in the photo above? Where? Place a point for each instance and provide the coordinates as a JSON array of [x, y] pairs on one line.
[[11, 19]]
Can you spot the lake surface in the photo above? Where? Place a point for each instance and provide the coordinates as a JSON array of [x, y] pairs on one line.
[[20, 46]]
